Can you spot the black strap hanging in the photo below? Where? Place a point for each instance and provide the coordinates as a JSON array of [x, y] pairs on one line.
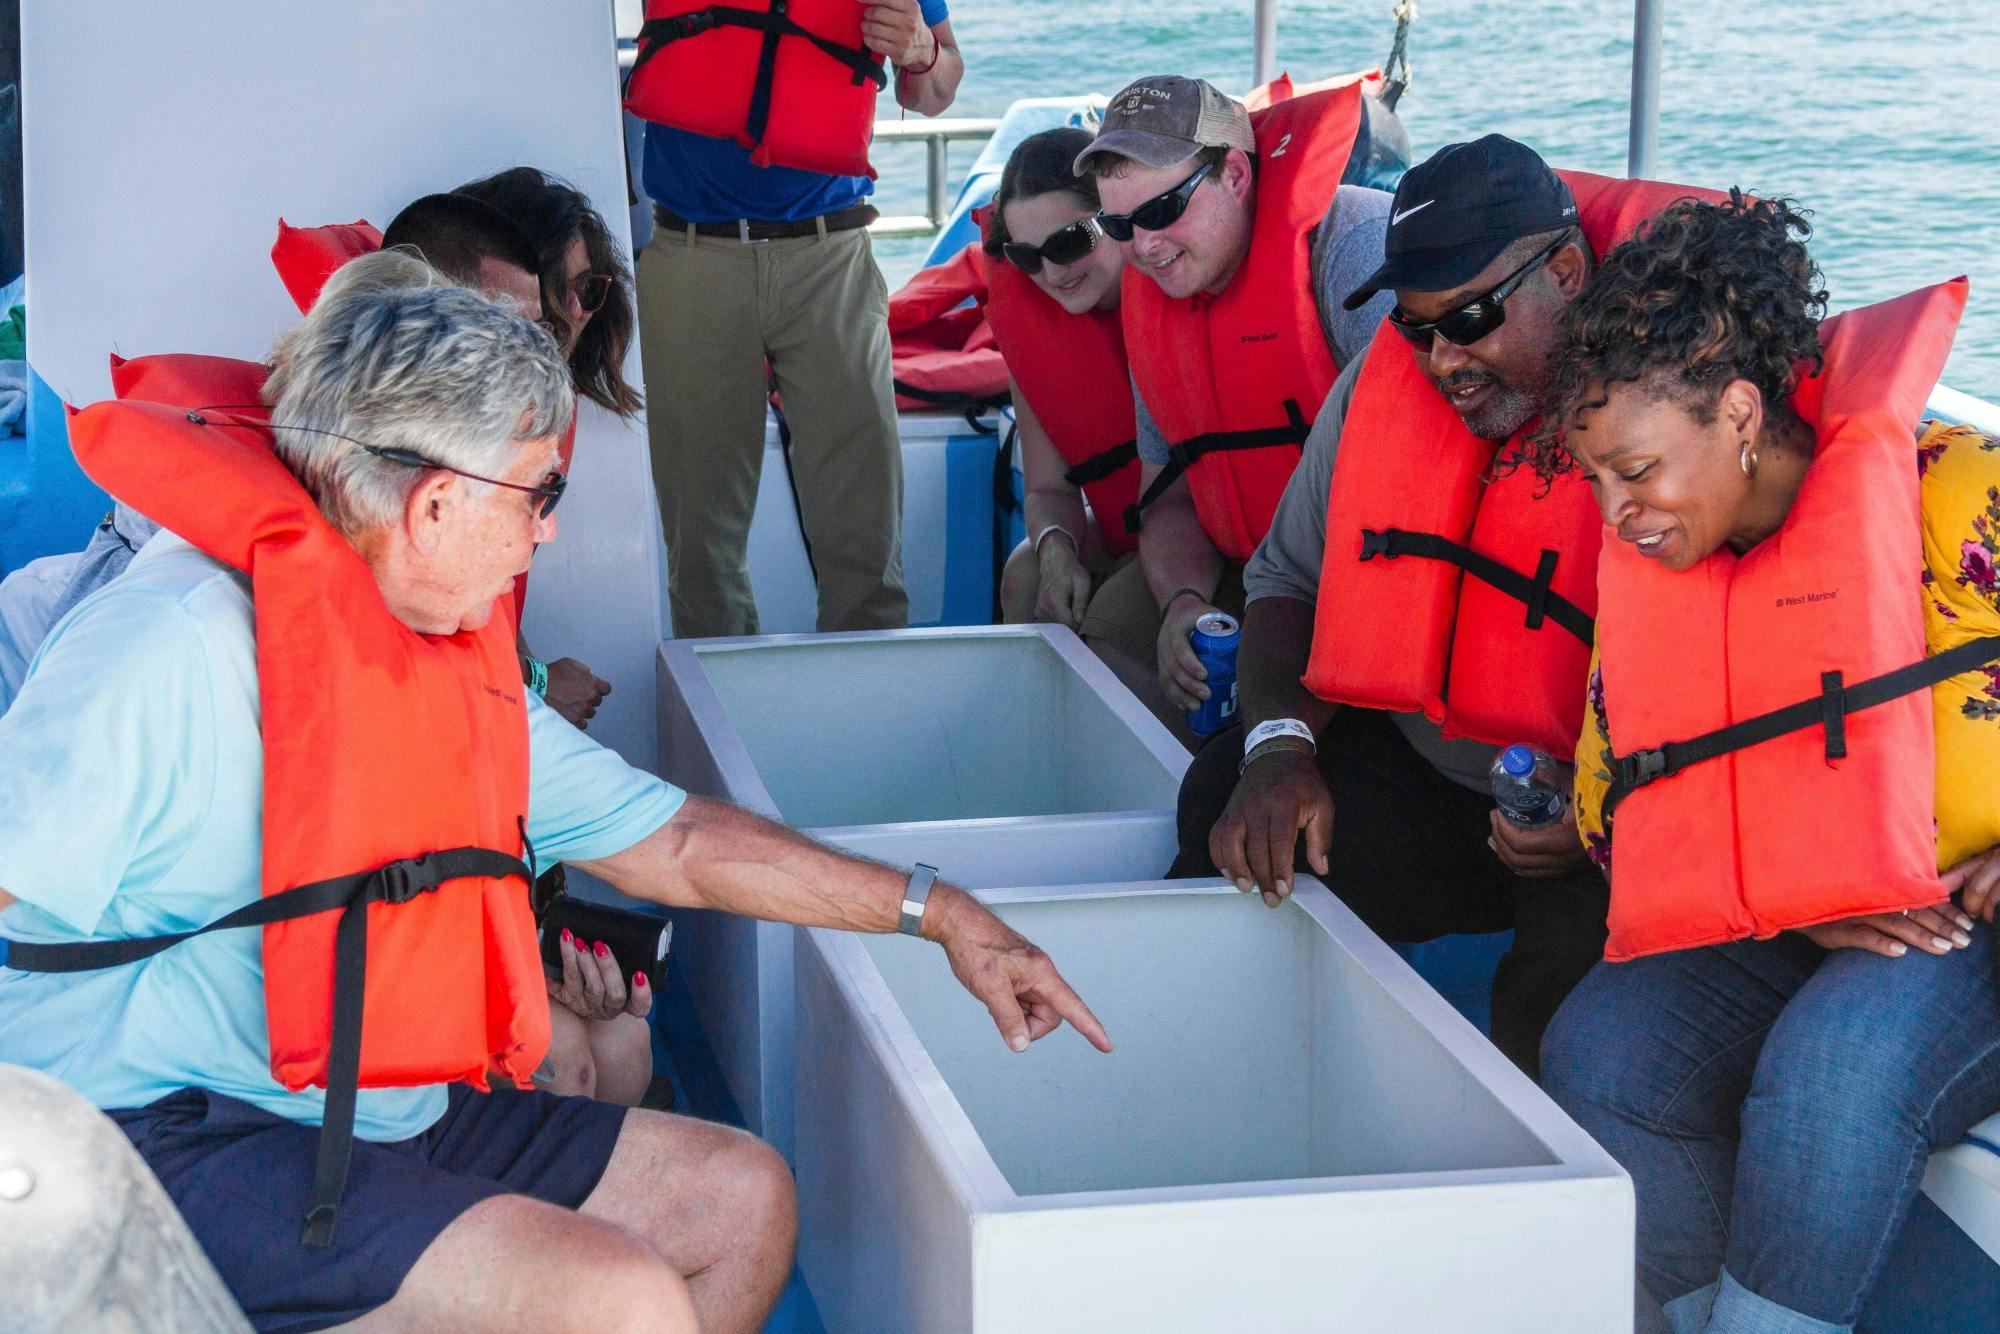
[[1182, 456], [1102, 464], [1534, 592], [396, 882], [1830, 709]]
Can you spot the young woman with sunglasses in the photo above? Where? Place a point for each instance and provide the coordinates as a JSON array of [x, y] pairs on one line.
[[1053, 279], [586, 283], [1803, 1007]]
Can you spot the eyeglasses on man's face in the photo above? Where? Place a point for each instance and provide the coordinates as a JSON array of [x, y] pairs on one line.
[[1475, 319], [550, 490], [1156, 214]]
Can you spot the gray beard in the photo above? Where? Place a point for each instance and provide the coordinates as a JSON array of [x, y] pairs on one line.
[[1507, 412]]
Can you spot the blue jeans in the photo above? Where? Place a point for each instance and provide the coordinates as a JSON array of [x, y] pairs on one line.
[[1775, 1105]]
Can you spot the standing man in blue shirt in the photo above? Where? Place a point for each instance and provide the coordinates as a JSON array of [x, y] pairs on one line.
[[752, 264]]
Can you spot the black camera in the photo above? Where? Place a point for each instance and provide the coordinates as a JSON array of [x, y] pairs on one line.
[[637, 940]]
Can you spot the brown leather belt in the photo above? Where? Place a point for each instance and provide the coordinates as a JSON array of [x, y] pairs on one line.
[[744, 229]]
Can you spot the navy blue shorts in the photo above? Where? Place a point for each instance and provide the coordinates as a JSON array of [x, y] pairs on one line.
[[241, 1176]]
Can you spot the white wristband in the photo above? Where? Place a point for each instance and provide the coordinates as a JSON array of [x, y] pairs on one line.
[[1074, 545], [1275, 727]]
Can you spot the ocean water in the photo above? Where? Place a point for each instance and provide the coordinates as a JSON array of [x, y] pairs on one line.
[[1881, 116]]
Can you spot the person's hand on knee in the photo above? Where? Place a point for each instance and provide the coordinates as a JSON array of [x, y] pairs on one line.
[[1976, 881], [1279, 797]]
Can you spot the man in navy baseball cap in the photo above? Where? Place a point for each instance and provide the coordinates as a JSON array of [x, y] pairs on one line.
[[1356, 776], [1483, 253]]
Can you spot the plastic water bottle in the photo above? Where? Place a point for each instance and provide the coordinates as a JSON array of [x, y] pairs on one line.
[[1528, 787]]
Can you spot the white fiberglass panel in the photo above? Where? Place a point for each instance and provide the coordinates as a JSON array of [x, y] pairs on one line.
[[1249, 1049], [893, 730]]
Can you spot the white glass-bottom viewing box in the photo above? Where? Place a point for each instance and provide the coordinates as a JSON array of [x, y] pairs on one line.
[[1293, 1133], [1000, 754]]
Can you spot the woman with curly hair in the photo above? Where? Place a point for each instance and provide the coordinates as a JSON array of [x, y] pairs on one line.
[[1798, 1013]]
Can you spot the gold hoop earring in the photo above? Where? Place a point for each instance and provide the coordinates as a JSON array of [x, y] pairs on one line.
[[1747, 458]]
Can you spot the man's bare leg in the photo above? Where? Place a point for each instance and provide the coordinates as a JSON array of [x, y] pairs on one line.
[[513, 1263], [715, 1202]]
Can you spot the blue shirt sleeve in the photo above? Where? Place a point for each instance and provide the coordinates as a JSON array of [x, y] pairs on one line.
[[584, 801], [110, 755], [934, 12]]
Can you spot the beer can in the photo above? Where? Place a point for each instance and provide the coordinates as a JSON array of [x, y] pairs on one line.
[[1215, 638]]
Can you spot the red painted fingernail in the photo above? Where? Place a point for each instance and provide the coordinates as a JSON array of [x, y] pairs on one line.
[[568, 939], [602, 950], [639, 981]]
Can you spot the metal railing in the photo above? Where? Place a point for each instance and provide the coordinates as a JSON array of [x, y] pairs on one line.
[[935, 134]]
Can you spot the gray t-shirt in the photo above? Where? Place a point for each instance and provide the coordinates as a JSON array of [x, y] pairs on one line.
[[1287, 564], [1347, 247]]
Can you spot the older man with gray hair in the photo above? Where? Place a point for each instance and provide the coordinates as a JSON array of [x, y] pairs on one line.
[[133, 775]]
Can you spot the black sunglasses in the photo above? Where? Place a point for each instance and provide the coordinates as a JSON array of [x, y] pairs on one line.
[[1156, 214], [592, 290], [551, 490], [1476, 318], [1064, 245]]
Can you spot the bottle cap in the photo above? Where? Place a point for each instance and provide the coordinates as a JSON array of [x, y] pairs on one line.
[[1517, 761]]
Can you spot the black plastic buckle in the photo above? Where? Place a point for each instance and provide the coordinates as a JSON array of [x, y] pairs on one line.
[[1642, 767], [688, 25], [403, 880], [1375, 544]]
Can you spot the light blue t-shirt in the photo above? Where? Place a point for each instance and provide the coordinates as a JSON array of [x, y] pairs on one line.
[[131, 795]]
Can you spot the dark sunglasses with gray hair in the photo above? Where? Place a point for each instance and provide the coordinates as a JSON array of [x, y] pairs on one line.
[[551, 488]]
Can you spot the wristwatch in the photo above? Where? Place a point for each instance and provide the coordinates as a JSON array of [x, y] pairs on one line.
[[916, 894]]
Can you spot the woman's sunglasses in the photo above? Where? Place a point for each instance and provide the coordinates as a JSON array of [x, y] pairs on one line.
[[1156, 214], [1476, 318], [1064, 245], [593, 290]]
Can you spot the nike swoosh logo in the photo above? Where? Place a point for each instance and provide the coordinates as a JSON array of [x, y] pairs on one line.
[[1419, 208]]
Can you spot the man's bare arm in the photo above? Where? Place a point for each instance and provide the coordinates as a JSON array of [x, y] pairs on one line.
[[714, 855]]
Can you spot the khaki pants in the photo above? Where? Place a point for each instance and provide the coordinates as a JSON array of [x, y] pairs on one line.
[[712, 310]]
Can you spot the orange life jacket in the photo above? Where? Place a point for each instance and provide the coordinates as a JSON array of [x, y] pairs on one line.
[[1411, 512], [1072, 370], [395, 774], [1832, 816], [943, 352], [1234, 381], [790, 81], [306, 257]]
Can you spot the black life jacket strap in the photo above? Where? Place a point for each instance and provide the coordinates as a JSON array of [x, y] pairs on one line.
[[1534, 592], [1103, 464], [1829, 708], [972, 407], [1182, 456], [656, 34], [396, 882]]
